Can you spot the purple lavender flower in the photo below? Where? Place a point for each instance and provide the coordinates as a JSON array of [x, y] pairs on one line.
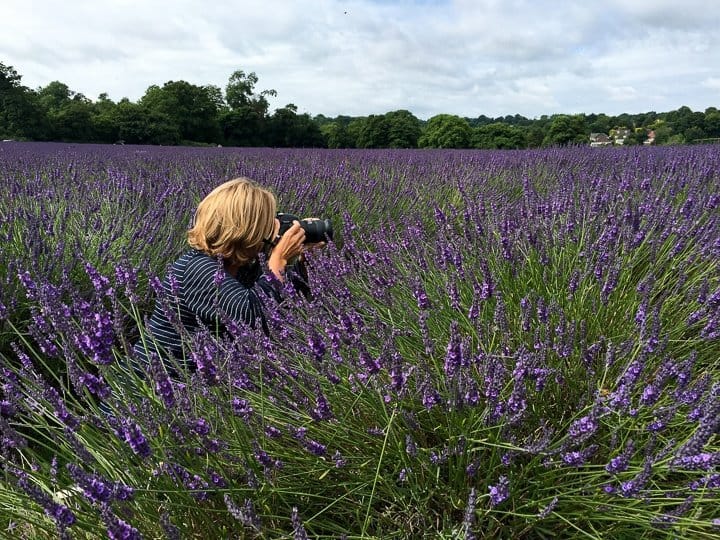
[[132, 434], [95, 384], [317, 346], [545, 512], [118, 529], [298, 528], [583, 427], [469, 517], [315, 447], [171, 531], [454, 296], [709, 424], [61, 412], [245, 514], [398, 373], [439, 458], [525, 306], [339, 460], [500, 317], [453, 356], [500, 491], [97, 334], [242, 408], [430, 397], [322, 410], [472, 468], [101, 284], [204, 355], [704, 461], [201, 426], [272, 432], [632, 487], [370, 365], [574, 282], [668, 518], [577, 458], [97, 489], [128, 278], [61, 514], [410, 446]]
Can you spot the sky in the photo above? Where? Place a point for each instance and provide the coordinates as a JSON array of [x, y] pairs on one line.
[[362, 57]]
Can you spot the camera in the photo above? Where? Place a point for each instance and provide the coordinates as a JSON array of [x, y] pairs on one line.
[[317, 230]]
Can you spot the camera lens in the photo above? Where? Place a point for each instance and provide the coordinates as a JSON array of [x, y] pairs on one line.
[[318, 230]]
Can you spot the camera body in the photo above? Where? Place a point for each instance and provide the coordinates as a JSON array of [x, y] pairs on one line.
[[316, 230]]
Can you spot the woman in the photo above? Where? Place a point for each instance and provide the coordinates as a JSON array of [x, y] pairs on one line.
[[220, 274]]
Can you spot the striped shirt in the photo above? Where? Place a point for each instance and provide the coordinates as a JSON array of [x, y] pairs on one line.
[[196, 290]]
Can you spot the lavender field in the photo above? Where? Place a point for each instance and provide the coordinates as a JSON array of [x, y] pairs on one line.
[[500, 344]]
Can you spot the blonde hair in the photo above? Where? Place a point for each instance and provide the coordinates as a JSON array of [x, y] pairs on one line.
[[233, 220]]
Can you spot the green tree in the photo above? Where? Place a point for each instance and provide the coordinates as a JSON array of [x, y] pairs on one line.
[[291, 130], [242, 127], [599, 123], [374, 132], [566, 129], [73, 120], [192, 109], [246, 123], [663, 132], [21, 115], [54, 96], [694, 133], [712, 122], [499, 136], [335, 135], [403, 129], [139, 124], [534, 135], [240, 93], [104, 119], [446, 131], [67, 113], [354, 127], [637, 137]]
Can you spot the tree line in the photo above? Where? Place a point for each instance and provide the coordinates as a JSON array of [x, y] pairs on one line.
[[181, 113]]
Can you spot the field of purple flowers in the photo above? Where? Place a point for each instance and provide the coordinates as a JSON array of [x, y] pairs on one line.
[[500, 344]]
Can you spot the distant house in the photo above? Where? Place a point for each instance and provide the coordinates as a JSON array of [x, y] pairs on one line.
[[599, 139], [650, 137], [619, 135]]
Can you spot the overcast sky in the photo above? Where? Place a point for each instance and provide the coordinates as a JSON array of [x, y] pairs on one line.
[[360, 57]]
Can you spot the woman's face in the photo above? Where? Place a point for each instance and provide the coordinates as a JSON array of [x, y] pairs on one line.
[[269, 243]]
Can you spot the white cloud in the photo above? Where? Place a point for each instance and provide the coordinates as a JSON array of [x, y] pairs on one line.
[[713, 83], [466, 57]]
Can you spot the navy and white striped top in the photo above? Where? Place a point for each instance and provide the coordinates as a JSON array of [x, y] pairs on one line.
[[196, 290]]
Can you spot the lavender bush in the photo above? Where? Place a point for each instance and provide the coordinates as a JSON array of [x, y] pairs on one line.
[[499, 344]]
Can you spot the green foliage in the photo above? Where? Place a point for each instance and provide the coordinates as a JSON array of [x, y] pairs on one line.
[[446, 131], [240, 93], [139, 124], [287, 129], [499, 136], [404, 129], [336, 135], [240, 116], [20, 114], [192, 109], [566, 129]]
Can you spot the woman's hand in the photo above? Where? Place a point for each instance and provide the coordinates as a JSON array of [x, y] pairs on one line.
[[288, 247]]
